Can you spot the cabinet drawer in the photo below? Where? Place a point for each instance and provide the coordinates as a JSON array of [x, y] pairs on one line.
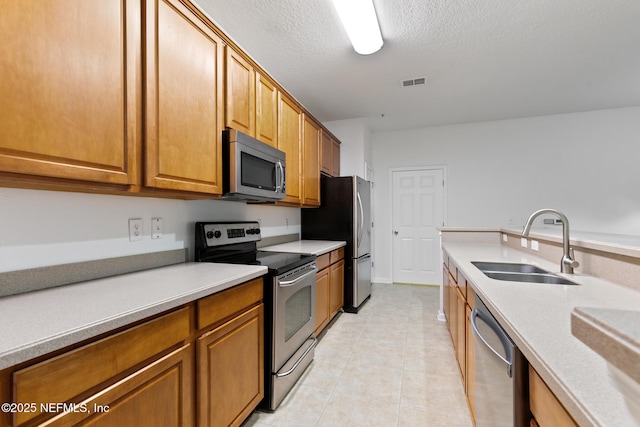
[[337, 255], [64, 377], [323, 261], [225, 304], [453, 271], [462, 285], [134, 401]]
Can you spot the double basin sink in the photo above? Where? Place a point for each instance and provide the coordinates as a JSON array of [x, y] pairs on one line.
[[520, 273]]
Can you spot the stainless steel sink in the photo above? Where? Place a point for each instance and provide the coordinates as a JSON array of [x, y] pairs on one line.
[[529, 277], [520, 273], [507, 267]]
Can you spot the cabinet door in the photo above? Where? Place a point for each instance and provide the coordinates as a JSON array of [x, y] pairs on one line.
[[289, 141], [160, 394], [183, 100], [310, 162], [452, 310], [231, 370], [337, 287], [445, 294], [545, 406], [461, 314], [70, 85], [323, 291], [470, 378], [325, 154], [241, 93], [266, 111], [335, 158]]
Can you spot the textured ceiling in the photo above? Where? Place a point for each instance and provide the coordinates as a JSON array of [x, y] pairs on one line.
[[483, 59]]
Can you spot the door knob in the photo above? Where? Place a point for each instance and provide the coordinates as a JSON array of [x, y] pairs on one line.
[[395, 232]]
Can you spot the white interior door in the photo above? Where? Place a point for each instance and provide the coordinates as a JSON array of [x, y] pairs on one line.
[[417, 209]]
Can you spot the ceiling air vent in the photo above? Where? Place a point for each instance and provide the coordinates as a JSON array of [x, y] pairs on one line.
[[414, 82]]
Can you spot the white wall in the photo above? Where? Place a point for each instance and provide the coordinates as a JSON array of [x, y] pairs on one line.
[[583, 164], [40, 228]]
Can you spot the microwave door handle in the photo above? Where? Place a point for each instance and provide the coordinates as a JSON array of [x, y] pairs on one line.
[[280, 182], [283, 178]]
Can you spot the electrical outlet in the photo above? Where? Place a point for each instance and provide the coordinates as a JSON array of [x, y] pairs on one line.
[[534, 245], [135, 229], [156, 228], [504, 238], [523, 242]]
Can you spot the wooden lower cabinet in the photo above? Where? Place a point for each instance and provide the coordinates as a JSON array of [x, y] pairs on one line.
[[323, 312], [329, 287], [546, 408], [231, 370], [200, 364], [470, 377], [461, 337], [336, 294], [160, 394], [458, 302]]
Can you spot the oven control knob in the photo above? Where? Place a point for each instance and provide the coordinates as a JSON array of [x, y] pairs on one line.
[[249, 231], [217, 234], [209, 234], [256, 231]]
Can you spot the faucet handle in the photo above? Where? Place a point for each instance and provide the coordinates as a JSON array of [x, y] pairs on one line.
[[571, 261]]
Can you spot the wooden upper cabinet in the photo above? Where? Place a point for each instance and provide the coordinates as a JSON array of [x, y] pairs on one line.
[[325, 154], [330, 155], [266, 111], [69, 85], [289, 141], [310, 162], [240, 93], [335, 157], [184, 100]]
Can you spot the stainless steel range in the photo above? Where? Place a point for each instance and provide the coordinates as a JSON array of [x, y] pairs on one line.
[[289, 296]]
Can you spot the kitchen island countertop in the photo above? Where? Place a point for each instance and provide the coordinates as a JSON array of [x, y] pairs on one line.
[[537, 317], [311, 247], [37, 323]]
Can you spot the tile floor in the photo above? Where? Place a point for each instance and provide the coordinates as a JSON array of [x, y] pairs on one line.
[[390, 365]]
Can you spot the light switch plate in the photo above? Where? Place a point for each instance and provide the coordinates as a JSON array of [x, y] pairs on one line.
[[534, 245], [156, 228], [523, 242], [504, 237]]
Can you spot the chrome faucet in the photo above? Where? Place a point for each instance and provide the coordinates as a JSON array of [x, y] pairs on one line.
[[567, 263]]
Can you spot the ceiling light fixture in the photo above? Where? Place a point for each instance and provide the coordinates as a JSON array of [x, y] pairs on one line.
[[360, 20]]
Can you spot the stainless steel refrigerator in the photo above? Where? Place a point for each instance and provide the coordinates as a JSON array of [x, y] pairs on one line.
[[345, 214]]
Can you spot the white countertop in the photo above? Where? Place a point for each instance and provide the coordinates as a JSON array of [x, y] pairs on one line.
[[537, 317], [614, 334], [311, 247], [36, 323]]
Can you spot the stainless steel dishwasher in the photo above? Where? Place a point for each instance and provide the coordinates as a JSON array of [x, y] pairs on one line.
[[501, 373]]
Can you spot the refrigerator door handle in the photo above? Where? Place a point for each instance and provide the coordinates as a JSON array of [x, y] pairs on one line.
[[361, 228]]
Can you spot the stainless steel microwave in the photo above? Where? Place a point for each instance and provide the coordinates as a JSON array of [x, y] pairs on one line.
[[252, 170]]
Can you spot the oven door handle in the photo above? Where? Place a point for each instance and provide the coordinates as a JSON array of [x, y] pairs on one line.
[[297, 279], [295, 365], [475, 314]]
